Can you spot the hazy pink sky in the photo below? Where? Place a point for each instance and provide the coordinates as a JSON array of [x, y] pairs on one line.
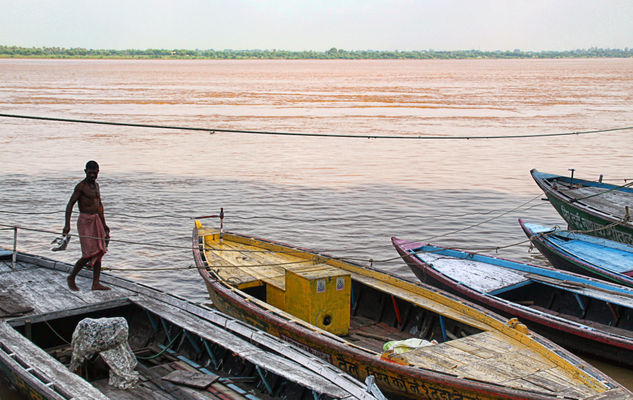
[[319, 24]]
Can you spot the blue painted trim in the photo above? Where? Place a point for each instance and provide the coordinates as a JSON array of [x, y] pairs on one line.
[[443, 328], [188, 361], [164, 324], [215, 362], [269, 389], [517, 266], [509, 288], [236, 388], [582, 306], [193, 343], [152, 321]]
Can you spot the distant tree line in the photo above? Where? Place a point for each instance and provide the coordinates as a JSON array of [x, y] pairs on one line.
[[333, 53]]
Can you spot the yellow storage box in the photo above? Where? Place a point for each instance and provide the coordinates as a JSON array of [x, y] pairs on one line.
[[320, 294]]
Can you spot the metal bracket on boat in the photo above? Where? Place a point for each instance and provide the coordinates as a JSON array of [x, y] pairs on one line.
[[514, 323], [572, 175]]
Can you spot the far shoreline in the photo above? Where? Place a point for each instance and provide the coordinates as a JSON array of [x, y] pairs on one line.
[[15, 52]]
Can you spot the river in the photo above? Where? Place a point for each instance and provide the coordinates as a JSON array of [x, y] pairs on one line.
[[343, 196]]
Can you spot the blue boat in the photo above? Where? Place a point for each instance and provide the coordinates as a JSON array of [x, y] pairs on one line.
[[584, 314], [583, 254]]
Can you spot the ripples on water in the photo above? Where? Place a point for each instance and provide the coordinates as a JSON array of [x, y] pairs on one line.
[[346, 197]]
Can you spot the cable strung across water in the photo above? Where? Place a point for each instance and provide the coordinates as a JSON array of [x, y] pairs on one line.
[[332, 135]]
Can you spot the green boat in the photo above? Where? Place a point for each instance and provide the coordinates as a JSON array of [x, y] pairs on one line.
[[595, 208]]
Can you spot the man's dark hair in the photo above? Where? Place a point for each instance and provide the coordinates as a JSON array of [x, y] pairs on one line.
[[92, 165]]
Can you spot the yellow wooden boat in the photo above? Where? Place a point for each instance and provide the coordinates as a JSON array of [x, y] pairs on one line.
[[443, 346]]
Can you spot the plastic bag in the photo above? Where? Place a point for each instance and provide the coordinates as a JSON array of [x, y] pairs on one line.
[[402, 346]]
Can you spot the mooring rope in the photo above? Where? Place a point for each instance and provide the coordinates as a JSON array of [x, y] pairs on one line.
[[601, 193], [371, 261], [556, 230], [366, 217], [213, 130]]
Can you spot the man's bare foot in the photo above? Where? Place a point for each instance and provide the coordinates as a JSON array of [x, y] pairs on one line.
[[71, 284], [98, 286]]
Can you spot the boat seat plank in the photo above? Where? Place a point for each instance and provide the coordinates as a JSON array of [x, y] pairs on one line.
[[245, 263], [477, 275], [471, 347], [521, 383], [422, 301], [455, 355], [613, 202], [217, 390], [272, 271], [550, 381], [483, 371], [11, 305], [144, 390], [227, 270], [609, 258], [609, 296], [482, 356], [195, 379], [592, 324], [52, 294]]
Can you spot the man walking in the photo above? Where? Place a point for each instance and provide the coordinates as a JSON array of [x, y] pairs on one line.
[[91, 226]]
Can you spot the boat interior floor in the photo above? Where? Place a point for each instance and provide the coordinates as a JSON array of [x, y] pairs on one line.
[[169, 376], [153, 386], [372, 335]]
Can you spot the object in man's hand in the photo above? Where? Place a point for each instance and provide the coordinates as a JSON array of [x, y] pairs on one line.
[[60, 243]]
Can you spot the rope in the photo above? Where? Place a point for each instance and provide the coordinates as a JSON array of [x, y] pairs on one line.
[[55, 332], [238, 217], [523, 241], [602, 228], [601, 193], [148, 269], [213, 130], [162, 351], [272, 217]]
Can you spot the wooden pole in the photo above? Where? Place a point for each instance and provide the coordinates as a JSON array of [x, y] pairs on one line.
[[15, 246]]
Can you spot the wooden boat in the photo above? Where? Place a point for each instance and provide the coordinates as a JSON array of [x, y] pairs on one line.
[[583, 254], [345, 313], [587, 315], [184, 350], [600, 209]]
